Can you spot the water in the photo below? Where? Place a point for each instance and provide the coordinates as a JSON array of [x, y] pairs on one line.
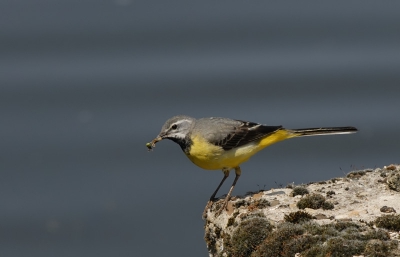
[[85, 84]]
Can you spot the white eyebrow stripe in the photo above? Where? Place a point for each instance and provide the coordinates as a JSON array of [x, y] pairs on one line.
[[179, 122]]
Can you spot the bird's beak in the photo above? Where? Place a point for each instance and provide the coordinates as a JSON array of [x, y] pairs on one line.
[[157, 139], [152, 144]]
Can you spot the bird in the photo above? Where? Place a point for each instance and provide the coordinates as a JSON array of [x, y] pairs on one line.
[[217, 143]]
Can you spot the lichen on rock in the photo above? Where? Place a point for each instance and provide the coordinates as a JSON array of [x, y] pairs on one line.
[[273, 223]]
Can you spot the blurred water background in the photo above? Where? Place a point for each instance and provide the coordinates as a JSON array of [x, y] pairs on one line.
[[85, 84]]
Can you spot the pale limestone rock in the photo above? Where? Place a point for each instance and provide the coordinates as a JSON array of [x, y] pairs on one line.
[[357, 197]]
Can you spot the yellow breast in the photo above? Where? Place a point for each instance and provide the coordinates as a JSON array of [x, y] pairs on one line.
[[212, 157]]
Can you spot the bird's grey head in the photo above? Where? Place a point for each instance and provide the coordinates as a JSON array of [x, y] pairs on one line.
[[177, 128]]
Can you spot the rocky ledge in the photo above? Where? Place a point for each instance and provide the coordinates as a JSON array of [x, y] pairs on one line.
[[351, 216]]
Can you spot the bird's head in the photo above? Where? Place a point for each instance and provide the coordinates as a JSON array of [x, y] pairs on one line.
[[176, 129]]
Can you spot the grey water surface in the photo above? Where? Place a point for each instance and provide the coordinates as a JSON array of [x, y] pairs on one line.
[[85, 84]]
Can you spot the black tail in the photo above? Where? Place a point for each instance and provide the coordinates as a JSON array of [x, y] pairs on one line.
[[323, 131]]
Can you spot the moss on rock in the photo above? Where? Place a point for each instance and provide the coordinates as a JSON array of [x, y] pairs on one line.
[[314, 201], [391, 222], [255, 238], [393, 180], [299, 190], [298, 216], [248, 235]]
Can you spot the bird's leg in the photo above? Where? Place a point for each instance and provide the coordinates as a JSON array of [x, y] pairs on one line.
[[226, 175], [212, 198], [238, 172]]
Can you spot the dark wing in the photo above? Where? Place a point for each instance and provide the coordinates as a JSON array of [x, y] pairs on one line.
[[245, 133]]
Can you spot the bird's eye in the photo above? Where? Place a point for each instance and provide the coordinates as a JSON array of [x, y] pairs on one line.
[[174, 126]]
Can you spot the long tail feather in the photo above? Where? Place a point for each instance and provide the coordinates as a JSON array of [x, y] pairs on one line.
[[323, 131]]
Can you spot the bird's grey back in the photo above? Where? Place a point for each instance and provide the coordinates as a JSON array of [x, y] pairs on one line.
[[215, 129]]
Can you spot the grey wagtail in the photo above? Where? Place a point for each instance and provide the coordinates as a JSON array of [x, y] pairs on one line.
[[224, 144]]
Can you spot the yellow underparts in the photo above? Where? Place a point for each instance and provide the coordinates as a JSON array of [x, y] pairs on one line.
[[211, 157]]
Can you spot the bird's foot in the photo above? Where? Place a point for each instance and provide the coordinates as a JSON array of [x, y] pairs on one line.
[[221, 208], [224, 207]]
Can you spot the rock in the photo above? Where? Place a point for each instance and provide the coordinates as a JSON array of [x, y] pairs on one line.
[[362, 194], [258, 196], [274, 202], [393, 180], [387, 209], [390, 167], [321, 216], [358, 200]]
